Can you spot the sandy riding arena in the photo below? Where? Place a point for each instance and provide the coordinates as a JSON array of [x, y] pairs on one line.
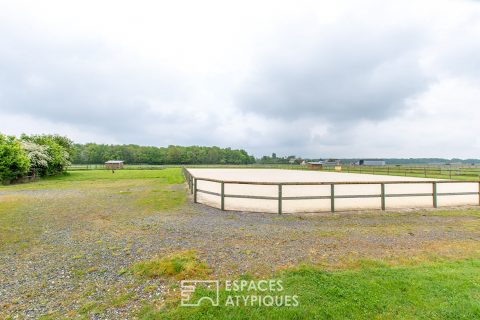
[[400, 192]]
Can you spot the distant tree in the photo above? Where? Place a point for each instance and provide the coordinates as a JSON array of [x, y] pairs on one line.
[[173, 155], [14, 162], [213, 156]]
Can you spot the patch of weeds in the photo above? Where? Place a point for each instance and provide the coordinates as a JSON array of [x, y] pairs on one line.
[[92, 269], [181, 265], [246, 276], [454, 213], [248, 252], [121, 300], [50, 316], [91, 307], [127, 249], [16, 228], [90, 291], [123, 271], [150, 289], [79, 273], [163, 199], [147, 312], [330, 233]]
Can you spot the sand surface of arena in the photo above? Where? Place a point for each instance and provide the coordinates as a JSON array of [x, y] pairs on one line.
[[319, 205]]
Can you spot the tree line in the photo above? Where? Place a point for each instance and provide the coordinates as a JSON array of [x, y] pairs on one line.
[[92, 153], [43, 155], [34, 155]]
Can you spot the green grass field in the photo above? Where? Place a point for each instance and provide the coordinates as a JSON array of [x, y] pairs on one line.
[[95, 244]]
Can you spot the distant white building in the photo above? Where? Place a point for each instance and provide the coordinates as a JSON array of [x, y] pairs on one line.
[[370, 162]]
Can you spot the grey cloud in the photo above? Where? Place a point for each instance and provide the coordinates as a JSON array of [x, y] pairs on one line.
[[81, 82], [353, 74], [460, 55]]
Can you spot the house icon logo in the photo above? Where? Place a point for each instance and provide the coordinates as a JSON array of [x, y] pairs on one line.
[[188, 288]]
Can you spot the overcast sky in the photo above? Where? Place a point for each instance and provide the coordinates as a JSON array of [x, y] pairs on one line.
[[310, 78]]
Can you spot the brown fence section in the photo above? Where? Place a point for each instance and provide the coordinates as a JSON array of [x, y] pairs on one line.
[[192, 182]]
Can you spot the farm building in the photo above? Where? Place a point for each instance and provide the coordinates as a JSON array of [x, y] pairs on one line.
[[371, 162], [332, 162], [114, 164], [315, 165]]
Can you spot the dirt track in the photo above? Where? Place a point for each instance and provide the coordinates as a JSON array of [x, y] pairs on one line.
[[294, 206]]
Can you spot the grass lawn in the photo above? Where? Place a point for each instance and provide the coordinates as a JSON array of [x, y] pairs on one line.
[[446, 290], [94, 244]]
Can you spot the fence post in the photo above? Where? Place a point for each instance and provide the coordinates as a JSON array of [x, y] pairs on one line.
[[195, 190], [222, 195], [479, 193], [332, 197], [434, 185], [383, 196], [191, 185], [279, 198]]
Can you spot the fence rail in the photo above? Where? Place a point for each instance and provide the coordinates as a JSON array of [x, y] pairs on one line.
[[192, 182], [424, 171]]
